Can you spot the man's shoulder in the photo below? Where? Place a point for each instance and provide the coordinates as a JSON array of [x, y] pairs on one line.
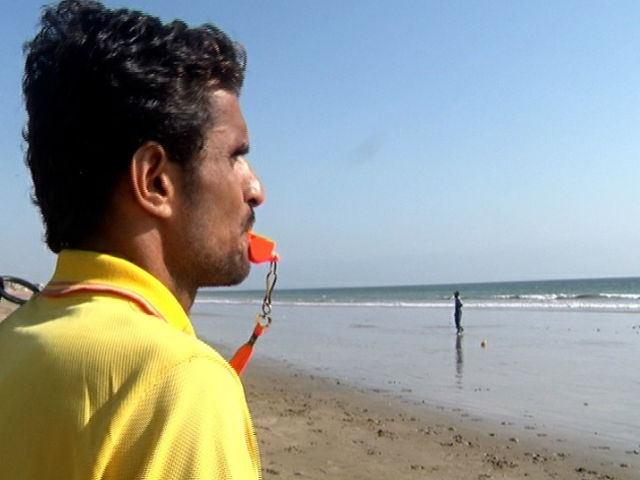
[[108, 334], [140, 335]]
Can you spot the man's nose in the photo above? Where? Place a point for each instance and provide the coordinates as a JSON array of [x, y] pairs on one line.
[[253, 188]]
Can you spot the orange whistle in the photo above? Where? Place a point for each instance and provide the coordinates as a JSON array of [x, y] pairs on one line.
[[262, 249]]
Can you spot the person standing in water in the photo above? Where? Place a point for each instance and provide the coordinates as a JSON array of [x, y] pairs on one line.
[[457, 312]]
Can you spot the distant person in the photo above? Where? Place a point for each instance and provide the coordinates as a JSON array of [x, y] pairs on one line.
[[457, 312], [136, 145]]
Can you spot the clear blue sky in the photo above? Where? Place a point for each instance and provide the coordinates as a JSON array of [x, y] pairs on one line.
[[410, 142]]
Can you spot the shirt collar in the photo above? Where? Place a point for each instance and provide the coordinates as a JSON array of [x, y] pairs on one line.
[[100, 272]]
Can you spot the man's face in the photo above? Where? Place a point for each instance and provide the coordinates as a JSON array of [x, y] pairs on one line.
[[217, 201]]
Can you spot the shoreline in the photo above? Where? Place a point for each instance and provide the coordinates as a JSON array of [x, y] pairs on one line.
[[568, 376], [309, 426]]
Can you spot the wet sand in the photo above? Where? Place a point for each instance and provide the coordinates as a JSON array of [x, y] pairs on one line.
[[569, 375], [311, 427]]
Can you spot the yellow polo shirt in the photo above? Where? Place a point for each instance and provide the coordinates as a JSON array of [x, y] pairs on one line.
[[102, 377]]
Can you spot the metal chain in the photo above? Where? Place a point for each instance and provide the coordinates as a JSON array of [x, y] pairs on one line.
[[264, 319]]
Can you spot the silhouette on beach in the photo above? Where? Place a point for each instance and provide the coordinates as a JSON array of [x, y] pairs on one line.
[[457, 312]]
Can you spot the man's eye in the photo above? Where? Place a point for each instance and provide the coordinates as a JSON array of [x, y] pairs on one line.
[[239, 154]]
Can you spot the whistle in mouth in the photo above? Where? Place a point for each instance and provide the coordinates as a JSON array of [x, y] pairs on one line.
[[262, 249]]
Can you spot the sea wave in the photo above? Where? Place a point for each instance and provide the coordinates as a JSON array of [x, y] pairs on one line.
[[566, 296], [604, 303]]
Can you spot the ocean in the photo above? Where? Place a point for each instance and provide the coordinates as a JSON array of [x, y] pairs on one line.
[[559, 355], [606, 294]]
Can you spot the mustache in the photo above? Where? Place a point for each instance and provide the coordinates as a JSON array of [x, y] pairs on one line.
[[250, 221]]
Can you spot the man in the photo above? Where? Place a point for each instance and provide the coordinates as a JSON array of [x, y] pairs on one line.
[[136, 147], [457, 312]]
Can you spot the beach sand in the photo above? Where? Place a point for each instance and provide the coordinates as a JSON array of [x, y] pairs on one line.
[[311, 427], [6, 308]]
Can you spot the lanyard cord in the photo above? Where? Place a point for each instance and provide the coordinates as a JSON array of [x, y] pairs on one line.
[[263, 321]]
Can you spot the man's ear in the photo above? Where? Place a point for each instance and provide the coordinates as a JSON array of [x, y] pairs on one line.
[[151, 180]]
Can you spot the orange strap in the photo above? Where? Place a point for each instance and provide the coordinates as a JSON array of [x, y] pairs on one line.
[[58, 289], [243, 355]]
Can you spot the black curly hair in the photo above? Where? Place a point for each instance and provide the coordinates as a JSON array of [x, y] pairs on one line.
[[99, 83]]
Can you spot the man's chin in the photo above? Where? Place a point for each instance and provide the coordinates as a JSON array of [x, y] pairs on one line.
[[238, 280], [236, 275]]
